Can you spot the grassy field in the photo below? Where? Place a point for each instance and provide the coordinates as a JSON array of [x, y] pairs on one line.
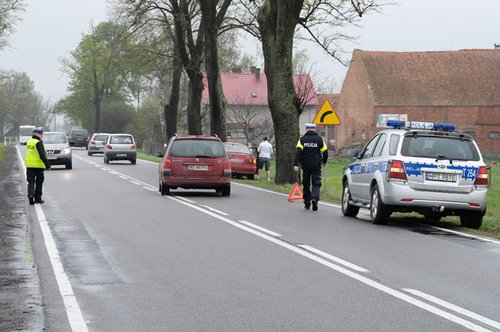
[[3, 152]]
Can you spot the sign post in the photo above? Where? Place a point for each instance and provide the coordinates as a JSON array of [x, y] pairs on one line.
[[326, 116]]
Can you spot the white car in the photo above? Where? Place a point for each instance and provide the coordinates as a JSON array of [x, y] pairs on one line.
[[57, 149], [120, 147], [418, 167]]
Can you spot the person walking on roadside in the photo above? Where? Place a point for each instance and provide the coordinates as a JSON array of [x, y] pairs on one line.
[[36, 163], [311, 154], [265, 150]]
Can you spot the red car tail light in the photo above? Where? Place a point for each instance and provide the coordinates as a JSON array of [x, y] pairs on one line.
[[253, 161], [108, 146], [397, 170], [167, 164], [482, 177]]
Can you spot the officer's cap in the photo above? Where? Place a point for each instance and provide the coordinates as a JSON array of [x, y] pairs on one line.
[[38, 130], [310, 126]]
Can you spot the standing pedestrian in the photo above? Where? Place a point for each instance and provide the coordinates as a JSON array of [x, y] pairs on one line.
[[265, 150], [311, 154], [36, 163]]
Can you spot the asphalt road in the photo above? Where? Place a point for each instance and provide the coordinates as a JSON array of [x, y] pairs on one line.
[[133, 260]]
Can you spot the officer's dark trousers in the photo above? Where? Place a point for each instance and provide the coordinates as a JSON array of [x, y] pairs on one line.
[[311, 176], [35, 179]]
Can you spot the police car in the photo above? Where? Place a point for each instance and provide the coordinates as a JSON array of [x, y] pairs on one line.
[[421, 167]]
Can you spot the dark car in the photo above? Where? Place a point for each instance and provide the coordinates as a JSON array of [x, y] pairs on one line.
[[195, 162], [79, 137], [242, 160]]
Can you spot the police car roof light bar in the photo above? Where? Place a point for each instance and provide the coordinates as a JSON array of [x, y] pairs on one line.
[[421, 125]]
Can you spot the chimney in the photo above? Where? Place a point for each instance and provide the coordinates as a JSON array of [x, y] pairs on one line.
[[252, 69], [257, 73], [497, 46]]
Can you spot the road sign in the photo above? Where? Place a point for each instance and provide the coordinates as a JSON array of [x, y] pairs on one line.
[[326, 115]]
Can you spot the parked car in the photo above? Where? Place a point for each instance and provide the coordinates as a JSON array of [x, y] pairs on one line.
[[57, 149], [120, 147], [195, 162], [97, 143], [418, 167], [242, 160], [79, 137]]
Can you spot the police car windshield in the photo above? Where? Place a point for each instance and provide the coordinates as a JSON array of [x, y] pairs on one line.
[[439, 147]]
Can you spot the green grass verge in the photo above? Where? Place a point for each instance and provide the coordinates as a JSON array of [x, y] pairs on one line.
[[3, 152], [146, 156]]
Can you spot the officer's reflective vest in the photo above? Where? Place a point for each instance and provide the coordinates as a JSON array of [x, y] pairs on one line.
[[33, 159]]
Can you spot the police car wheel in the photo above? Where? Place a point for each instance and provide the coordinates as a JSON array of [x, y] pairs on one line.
[[472, 219], [379, 212], [348, 210]]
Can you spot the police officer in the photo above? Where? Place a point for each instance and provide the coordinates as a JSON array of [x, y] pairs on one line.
[[36, 163], [311, 154]]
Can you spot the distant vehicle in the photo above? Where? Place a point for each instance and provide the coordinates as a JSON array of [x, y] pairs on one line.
[[96, 143], [422, 167], [57, 149], [120, 147], [79, 137], [195, 162], [25, 133], [242, 160]]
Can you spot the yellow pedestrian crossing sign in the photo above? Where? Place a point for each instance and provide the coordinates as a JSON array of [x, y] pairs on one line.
[[326, 115]]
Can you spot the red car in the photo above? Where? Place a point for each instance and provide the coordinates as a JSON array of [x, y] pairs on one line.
[[195, 162], [243, 161]]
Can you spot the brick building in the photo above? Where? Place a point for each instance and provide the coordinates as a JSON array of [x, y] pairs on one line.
[[460, 87]]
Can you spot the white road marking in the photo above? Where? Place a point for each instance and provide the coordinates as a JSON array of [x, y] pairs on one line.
[[262, 229], [134, 182], [334, 258], [123, 177], [185, 199], [73, 311], [215, 210], [455, 308], [473, 236], [390, 291]]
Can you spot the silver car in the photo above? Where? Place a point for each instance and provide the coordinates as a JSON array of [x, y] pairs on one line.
[[120, 147], [418, 167], [97, 143], [57, 149]]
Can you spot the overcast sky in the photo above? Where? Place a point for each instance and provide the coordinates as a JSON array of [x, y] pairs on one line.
[[50, 29]]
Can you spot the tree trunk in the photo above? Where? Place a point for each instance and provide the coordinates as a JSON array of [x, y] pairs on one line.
[[171, 109], [194, 102], [277, 22], [215, 92]]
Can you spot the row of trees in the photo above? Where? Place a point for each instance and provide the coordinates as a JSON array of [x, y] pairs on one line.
[[20, 104], [149, 49]]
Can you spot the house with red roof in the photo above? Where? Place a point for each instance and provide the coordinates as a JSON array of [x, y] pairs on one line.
[[460, 87], [248, 115]]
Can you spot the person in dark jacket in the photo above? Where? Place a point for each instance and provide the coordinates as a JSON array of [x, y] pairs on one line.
[[311, 154], [36, 163]]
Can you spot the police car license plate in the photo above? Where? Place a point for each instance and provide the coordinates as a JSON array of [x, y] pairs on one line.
[[236, 160], [197, 167], [51, 157], [444, 177]]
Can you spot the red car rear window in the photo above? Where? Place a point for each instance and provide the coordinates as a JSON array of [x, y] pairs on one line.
[[192, 148]]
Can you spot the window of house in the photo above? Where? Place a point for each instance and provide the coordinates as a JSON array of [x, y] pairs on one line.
[[493, 134]]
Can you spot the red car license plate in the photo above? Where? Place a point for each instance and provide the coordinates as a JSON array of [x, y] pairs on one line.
[[197, 167]]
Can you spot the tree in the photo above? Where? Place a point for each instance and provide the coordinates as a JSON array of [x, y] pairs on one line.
[[8, 18], [97, 69], [212, 21], [277, 24]]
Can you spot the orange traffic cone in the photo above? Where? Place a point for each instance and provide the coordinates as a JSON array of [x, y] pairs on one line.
[[296, 194]]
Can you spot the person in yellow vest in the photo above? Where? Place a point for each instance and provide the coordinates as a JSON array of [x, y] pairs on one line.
[[36, 163]]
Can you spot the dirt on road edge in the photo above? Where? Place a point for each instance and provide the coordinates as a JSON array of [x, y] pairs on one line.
[[20, 297]]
